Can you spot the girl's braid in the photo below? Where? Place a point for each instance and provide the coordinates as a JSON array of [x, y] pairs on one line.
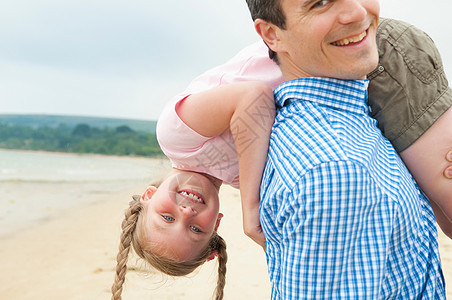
[[128, 227], [220, 246]]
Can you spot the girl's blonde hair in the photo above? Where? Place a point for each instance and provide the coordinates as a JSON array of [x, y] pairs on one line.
[[132, 235]]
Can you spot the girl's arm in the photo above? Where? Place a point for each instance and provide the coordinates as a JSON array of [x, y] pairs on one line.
[[248, 110]]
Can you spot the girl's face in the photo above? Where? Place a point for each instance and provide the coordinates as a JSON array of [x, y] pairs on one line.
[[181, 215]]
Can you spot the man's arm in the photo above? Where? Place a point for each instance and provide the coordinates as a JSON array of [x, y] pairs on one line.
[[248, 110], [428, 159]]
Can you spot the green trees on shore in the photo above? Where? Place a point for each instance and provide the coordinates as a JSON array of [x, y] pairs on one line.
[[82, 138]]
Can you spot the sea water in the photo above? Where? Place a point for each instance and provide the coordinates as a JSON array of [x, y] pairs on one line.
[[35, 186], [57, 167]]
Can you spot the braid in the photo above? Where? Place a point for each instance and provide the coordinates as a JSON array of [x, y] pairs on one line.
[[222, 260], [128, 227]]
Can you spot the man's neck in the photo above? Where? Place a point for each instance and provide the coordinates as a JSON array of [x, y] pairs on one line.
[[291, 71]]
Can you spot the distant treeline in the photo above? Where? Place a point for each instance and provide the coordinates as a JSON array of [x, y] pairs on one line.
[[82, 138], [34, 121]]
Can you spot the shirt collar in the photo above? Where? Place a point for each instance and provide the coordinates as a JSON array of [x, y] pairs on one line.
[[349, 95]]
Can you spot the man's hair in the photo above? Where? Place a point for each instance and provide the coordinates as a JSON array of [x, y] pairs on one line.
[[269, 11]]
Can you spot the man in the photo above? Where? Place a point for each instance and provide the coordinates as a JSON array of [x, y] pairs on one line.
[[411, 102], [342, 216]]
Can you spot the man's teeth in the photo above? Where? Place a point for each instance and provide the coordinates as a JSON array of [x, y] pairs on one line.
[[354, 39], [191, 196]]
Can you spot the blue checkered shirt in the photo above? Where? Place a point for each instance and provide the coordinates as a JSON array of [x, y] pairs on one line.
[[342, 215]]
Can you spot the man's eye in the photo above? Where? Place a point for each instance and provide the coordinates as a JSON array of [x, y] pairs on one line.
[[168, 218], [321, 3], [195, 229]]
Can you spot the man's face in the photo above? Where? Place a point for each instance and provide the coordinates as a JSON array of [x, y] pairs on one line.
[[329, 38]]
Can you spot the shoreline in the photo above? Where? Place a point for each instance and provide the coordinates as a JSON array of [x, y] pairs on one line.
[[37, 186], [59, 153]]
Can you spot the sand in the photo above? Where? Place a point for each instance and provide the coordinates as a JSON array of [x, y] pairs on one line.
[[72, 256]]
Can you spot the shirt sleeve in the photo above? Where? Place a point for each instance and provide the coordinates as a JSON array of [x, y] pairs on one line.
[[177, 139], [334, 235]]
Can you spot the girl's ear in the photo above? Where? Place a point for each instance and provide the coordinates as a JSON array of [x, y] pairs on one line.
[[213, 254], [147, 195], [220, 216]]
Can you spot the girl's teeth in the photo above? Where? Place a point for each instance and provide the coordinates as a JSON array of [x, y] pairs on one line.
[[191, 196]]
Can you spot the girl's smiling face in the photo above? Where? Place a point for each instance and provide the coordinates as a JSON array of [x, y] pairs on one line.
[[181, 215]]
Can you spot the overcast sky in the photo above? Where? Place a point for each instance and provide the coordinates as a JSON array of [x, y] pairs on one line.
[[125, 59]]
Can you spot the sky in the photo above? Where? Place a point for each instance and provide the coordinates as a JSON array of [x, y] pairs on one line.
[[126, 59]]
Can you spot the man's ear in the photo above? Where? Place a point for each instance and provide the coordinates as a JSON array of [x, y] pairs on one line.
[[269, 33], [220, 216], [148, 194]]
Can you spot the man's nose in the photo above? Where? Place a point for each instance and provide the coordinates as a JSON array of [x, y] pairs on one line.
[[352, 11], [187, 210]]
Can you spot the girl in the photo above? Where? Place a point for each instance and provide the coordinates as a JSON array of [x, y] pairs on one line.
[[173, 227]]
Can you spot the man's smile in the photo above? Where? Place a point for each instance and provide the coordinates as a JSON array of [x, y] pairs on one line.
[[353, 39]]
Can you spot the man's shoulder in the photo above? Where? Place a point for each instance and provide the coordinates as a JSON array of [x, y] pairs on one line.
[[299, 144], [305, 136], [306, 126]]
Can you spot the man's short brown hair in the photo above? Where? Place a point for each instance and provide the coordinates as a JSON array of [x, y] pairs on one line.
[[269, 11]]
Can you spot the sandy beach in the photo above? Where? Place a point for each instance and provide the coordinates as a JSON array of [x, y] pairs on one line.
[[71, 254]]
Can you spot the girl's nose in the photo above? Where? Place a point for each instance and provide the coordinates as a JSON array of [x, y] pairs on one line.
[[187, 210]]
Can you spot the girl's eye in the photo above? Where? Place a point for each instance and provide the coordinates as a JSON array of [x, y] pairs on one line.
[[195, 229], [168, 218]]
